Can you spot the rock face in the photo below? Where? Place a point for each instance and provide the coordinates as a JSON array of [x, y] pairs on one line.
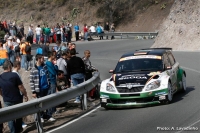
[[181, 29]]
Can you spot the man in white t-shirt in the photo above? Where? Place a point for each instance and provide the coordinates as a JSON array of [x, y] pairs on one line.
[[62, 65], [38, 31], [92, 31]]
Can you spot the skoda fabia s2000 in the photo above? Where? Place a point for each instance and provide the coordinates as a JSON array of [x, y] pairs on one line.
[[143, 77]]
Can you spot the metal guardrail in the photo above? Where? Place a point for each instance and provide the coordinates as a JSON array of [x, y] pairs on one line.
[[126, 34], [40, 104]]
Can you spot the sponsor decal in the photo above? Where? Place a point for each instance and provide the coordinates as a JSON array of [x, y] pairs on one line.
[[140, 57], [130, 85], [153, 73], [106, 96], [138, 76], [160, 93], [140, 53]]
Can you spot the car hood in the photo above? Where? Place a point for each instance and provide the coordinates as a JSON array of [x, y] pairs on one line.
[[136, 78]]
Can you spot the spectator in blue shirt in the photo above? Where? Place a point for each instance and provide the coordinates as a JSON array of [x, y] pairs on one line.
[[76, 29], [39, 82], [52, 69]]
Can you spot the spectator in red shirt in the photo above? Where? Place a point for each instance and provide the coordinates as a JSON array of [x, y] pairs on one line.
[[85, 30]]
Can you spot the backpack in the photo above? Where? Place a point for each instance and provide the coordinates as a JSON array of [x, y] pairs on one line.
[[17, 48], [39, 51], [28, 49], [99, 30], [68, 29]]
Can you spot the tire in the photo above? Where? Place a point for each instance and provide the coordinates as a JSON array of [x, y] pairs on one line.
[[169, 97], [183, 86]]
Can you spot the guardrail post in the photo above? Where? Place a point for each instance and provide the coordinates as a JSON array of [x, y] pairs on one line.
[[84, 102], [38, 123], [33, 61], [121, 35]]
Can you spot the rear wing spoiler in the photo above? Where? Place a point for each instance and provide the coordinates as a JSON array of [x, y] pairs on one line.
[[150, 49]]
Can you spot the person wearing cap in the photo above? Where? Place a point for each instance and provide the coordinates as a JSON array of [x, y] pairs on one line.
[[62, 65], [9, 47], [76, 70], [58, 49]]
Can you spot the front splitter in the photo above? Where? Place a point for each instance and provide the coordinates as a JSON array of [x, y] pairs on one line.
[[129, 105]]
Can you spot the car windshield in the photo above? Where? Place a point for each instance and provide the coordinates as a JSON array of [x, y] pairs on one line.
[[139, 65]]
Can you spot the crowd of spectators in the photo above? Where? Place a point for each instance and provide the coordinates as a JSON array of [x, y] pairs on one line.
[[55, 69]]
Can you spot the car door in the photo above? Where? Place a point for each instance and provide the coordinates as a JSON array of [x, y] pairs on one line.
[[169, 70], [175, 67]]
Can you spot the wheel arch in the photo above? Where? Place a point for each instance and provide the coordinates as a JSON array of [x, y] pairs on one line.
[[180, 73]]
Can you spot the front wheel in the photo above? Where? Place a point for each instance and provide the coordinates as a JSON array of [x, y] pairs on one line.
[[169, 96]]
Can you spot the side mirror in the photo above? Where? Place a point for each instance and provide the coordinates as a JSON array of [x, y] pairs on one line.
[[111, 71]]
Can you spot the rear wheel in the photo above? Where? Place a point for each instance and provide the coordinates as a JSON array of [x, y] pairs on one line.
[[183, 89]]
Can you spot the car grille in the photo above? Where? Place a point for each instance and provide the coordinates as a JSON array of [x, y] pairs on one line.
[[126, 90]]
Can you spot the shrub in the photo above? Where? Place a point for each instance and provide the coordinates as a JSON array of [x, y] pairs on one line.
[[59, 2], [163, 6], [40, 2], [39, 17]]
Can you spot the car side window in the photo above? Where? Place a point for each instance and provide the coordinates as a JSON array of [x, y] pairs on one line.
[[171, 58], [166, 62]]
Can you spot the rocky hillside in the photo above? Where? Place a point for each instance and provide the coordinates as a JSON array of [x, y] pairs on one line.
[[128, 15], [181, 29]]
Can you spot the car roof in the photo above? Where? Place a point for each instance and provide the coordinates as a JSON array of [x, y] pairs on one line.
[[148, 51]]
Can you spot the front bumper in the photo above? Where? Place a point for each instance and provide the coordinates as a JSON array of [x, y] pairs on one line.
[[109, 100]]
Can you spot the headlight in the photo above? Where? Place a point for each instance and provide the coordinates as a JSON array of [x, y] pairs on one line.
[[153, 85], [110, 88]]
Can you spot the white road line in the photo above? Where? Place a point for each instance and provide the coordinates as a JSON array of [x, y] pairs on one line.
[[189, 126], [196, 51], [74, 120], [199, 119], [191, 69]]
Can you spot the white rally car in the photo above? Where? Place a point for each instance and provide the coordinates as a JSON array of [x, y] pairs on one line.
[[143, 77]]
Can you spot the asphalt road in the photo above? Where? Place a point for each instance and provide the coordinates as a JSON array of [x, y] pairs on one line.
[[182, 113]]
